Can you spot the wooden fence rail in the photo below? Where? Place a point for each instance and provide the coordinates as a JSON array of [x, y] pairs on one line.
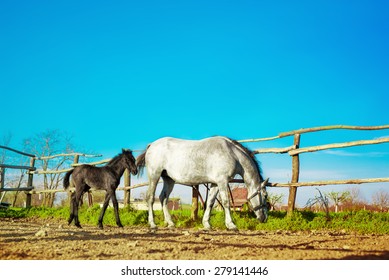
[[31, 170], [315, 129], [294, 151], [338, 145]]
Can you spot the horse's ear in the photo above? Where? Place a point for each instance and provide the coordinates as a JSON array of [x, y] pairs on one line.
[[264, 183]]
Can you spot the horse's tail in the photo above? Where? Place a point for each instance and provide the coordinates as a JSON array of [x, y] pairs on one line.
[[66, 182], [141, 162]]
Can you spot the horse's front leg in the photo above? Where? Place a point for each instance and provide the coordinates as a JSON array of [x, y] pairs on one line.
[[210, 202], [105, 205], [226, 204], [116, 208], [150, 200]]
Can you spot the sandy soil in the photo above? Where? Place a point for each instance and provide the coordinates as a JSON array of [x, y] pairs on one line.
[[22, 239]]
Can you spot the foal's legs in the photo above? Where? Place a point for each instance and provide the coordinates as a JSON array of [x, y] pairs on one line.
[[168, 184], [72, 207], [76, 203], [108, 195], [116, 208]]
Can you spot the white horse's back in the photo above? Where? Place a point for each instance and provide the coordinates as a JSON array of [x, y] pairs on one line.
[[192, 162]]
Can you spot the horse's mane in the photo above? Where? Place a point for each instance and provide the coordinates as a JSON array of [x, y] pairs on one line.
[[114, 160], [251, 154]]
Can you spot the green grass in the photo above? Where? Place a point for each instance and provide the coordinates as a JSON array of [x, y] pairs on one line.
[[353, 221]]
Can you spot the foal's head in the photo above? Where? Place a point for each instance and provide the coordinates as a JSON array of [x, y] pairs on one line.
[[129, 161]]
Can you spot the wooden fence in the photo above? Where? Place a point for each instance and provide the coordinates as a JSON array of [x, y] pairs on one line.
[[294, 151], [29, 190]]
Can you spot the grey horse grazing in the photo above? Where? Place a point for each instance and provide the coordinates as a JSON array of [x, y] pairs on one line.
[[214, 160]]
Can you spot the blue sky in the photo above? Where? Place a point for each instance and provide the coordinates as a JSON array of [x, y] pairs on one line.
[[125, 73]]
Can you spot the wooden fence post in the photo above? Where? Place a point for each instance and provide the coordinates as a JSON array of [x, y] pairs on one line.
[[2, 176], [127, 183], [195, 202], [29, 183], [295, 176]]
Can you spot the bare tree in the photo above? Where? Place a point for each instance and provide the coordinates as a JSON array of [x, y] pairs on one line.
[[46, 144], [275, 199], [338, 198], [381, 199], [355, 196], [355, 201], [5, 141], [321, 200]]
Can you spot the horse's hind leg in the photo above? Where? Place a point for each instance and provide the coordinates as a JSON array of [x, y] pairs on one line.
[[72, 206], [77, 195], [168, 184], [116, 208]]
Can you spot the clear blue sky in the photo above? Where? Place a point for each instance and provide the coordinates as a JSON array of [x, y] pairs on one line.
[[125, 73]]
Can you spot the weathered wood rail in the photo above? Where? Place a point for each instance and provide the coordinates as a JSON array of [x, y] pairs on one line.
[[294, 151], [31, 170]]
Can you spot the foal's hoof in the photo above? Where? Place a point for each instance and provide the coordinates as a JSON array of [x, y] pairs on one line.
[[78, 225], [100, 226], [120, 225]]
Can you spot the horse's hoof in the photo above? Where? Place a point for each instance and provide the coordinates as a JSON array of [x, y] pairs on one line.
[[233, 229], [78, 225], [120, 225], [153, 230]]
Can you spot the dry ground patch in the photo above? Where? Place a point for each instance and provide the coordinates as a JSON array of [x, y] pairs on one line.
[[26, 239]]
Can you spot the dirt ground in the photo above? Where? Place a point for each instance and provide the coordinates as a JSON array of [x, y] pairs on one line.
[[26, 239]]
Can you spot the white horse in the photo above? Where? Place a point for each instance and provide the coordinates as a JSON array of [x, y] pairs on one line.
[[214, 160]]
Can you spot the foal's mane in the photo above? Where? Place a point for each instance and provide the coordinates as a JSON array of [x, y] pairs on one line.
[[115, 160], [251, 154]]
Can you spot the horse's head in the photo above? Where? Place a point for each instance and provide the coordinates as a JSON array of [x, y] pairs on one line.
[[259, 203], [129, 161]]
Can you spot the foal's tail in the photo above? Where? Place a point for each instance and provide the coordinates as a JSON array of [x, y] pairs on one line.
[[66, 182], [141, 162]]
